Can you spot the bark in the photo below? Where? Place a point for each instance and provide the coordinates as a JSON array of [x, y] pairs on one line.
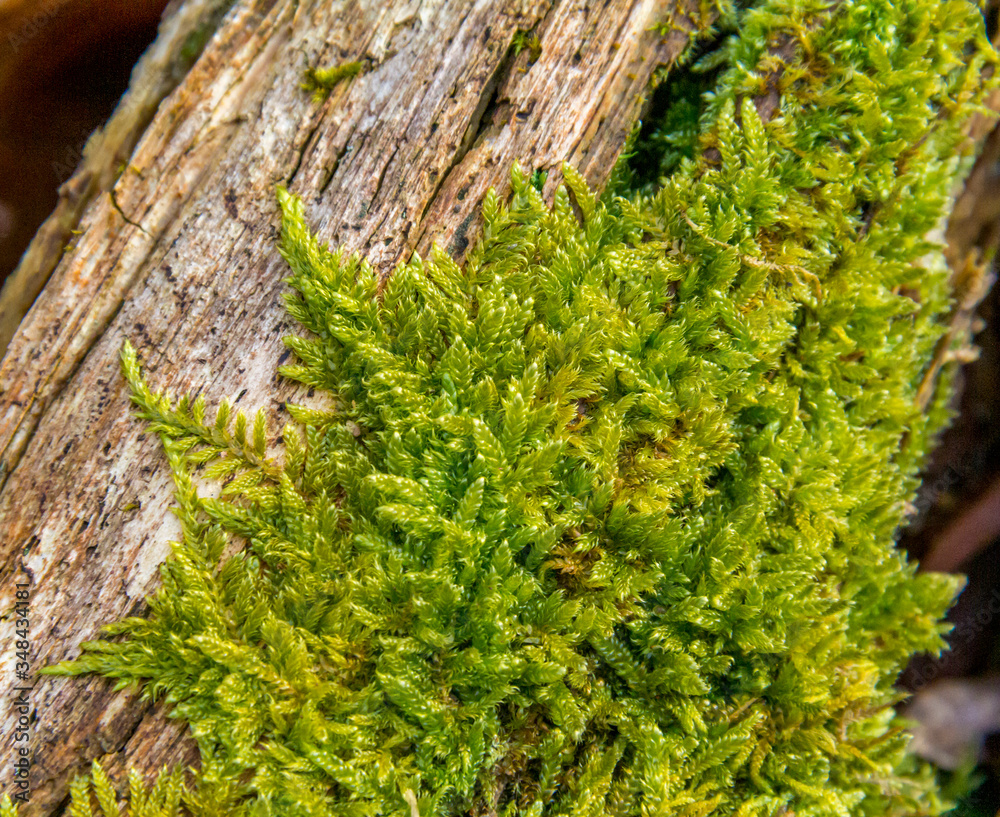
[[185, 28], [179, 256]]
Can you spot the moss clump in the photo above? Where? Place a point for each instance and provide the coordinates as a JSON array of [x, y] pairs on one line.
[[602, 522], [323, 80]]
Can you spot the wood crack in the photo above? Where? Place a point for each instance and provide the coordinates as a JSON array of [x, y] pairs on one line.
[[487, 105]]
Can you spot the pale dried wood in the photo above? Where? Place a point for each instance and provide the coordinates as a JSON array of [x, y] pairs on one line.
[[182, 261], [186, 26]]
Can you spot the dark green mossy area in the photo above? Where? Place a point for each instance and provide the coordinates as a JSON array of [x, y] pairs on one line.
[[601, 523]]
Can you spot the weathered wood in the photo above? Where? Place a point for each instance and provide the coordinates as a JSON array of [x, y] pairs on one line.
[[184, 29], [181, 259]]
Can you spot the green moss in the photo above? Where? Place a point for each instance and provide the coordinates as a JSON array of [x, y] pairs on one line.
[[527, 40], [602, 522], [538, 179], [665, 140], [323, 80], [199, 36], [195, 42]]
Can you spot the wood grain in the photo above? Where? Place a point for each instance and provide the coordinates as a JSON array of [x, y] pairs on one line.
[[183, 31], [180, 258]]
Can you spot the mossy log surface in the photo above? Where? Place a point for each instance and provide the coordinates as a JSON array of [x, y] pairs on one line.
[[180, 258]]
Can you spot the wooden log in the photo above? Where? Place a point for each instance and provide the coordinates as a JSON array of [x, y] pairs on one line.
[[180, 258], [183, 31]]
